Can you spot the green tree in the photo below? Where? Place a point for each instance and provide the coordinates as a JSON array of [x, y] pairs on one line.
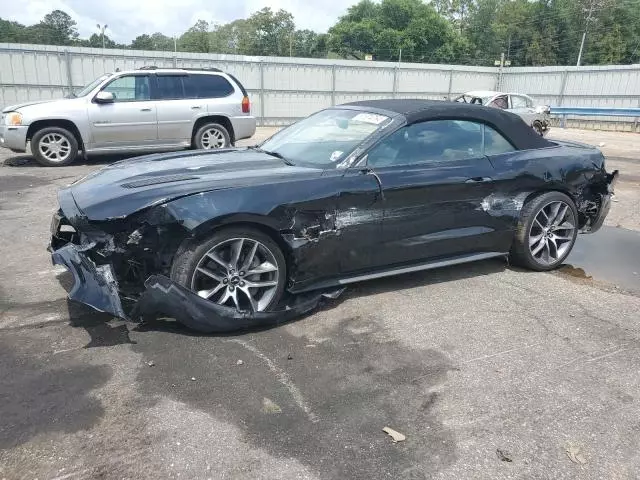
[[384, 29], [95, 41], [56, 28], [12, 32], [231, 38], [196, 39], [269, 32]]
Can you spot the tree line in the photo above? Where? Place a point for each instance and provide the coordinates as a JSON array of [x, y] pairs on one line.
[[474, 32]]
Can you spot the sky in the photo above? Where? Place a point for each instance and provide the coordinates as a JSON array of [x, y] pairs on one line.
[[126, 19]]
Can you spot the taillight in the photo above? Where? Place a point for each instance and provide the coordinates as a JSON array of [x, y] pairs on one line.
[[246, 106]]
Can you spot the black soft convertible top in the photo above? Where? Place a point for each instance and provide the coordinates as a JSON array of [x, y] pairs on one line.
[[521, 135]]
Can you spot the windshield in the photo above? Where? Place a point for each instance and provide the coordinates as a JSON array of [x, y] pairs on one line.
[[87, 89], [325, 138]]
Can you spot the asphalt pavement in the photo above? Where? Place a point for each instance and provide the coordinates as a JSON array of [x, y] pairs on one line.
[[490, 372]]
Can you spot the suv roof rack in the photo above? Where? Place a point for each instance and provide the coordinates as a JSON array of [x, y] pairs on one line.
[[153, 67]]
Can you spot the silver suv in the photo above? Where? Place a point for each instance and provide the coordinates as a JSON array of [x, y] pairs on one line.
[[139, 110]]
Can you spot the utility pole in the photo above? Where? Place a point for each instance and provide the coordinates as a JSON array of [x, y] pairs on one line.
[[593, 5], [101, 29], [400, 56], [501, 64]]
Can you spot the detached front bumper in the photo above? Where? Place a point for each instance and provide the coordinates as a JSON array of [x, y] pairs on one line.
[[93, 285]]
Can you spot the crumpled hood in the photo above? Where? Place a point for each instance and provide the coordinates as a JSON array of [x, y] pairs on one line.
[[125, 187]]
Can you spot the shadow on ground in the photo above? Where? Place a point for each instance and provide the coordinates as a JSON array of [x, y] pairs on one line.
[[27, 161], [323, 403], [103, 329], [37, 398]]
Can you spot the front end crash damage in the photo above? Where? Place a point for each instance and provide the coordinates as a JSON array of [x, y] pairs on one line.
[[115, 273]]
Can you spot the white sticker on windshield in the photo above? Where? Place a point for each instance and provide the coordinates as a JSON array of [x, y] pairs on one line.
[[369, 118], [335, 156]]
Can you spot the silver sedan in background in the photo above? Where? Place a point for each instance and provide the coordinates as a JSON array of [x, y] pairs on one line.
[[523, 105]]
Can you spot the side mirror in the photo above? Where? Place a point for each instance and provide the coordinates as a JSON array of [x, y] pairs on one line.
[[104, 97]]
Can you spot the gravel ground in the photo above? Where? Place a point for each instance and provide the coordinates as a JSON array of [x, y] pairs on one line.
[[489, 371]]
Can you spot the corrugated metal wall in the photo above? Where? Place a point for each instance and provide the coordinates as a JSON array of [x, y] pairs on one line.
[[616, 86], [284, 89]]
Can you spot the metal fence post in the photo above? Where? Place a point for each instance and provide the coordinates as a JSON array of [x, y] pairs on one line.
[[261, 93], [562, 87], [333, 85], [450, 84], [67, 61], [396, 71]]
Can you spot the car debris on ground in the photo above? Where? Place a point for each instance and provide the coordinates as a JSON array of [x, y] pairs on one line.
[[395, 436]]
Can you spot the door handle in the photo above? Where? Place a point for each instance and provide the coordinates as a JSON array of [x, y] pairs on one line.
[[196, 107], [479, 180], [145, 109]]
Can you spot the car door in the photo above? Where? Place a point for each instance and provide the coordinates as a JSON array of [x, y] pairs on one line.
[[130, 120], [521, 106], [435, 180], [176, 112]]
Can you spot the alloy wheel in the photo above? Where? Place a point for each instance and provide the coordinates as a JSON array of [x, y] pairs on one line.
[[55, 147], [212, 138], [239, 272], [552, 233]]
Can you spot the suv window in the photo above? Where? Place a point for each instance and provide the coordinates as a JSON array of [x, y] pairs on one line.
[[129, 88], [433, 141], [170, 87], [207, 86], [518, 101]]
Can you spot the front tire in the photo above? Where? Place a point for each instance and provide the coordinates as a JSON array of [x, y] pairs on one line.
[[242, 268], [546, 232], [211, 136], [54, 147]]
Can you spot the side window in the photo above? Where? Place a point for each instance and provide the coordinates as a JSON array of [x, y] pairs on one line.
[[500, 102], [529, 102], [432, 141], [130, 88], [494, 143], [170, 87], [207, 86], [518, 102]]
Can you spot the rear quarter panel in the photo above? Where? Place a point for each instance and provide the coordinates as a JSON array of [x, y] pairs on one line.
[[569, 168]]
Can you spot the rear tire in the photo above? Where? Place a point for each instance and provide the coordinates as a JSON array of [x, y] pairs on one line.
[[537, 126], [546, 232], [54, 147], [254, 280], [211, 136]]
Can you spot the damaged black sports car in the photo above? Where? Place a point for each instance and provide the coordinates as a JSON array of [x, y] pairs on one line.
[[239, 237]]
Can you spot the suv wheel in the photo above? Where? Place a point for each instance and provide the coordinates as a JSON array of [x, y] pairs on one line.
[[212, 136], [54, 147]]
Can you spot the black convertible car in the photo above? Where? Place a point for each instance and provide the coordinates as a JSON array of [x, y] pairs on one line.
[[353, 192]]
